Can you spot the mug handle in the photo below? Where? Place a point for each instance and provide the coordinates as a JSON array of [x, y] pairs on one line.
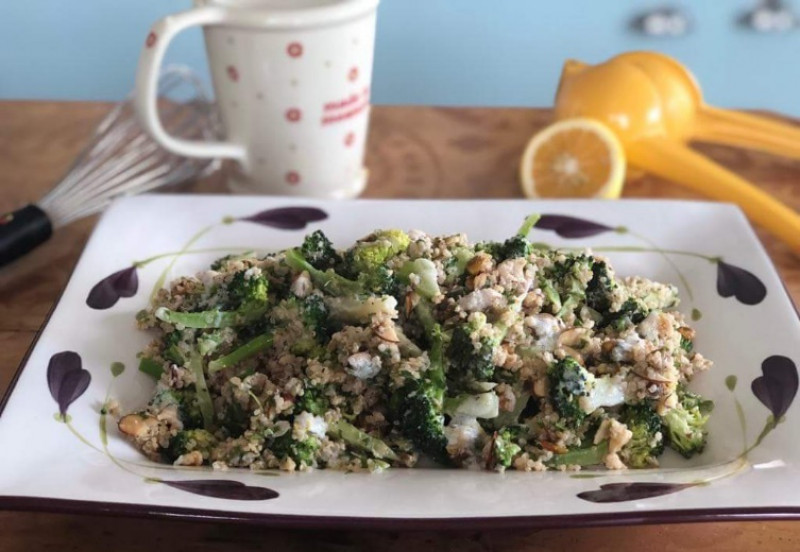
[[145, 95]]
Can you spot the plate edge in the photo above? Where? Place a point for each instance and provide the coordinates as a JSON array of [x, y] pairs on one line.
[[111, 509]]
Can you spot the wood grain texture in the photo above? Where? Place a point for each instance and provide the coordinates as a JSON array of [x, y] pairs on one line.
[[414, 152]]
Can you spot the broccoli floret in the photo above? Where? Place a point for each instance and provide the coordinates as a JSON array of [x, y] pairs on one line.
[[468, 362], [190, 440], [379, 281], [569, 381], [319, 252], [315, 316], [303, 451], [248, 293], [221, 263], [515, 246], [313, 400], [246, 288], [687, 344], [630, 313], [375, 280], [172, 351], [374, 250], [563, 285], [416, 406], [685, 424], [600, 288], [506, 446], [425, 284], [186, 402], [647, 443], [235, 419], [455, 265], [417, 411]]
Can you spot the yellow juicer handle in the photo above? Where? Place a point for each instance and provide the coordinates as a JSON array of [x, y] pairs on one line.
[[675, 161], [739, 129]]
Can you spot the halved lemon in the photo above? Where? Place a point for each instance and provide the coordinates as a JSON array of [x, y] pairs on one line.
[[573, 158]]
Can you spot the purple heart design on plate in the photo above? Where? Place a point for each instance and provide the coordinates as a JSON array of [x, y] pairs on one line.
[[287, 218], [623, 492], [571, 227], [223, 488], [777, 387], [740, 283], [66, 379], [106, 292]]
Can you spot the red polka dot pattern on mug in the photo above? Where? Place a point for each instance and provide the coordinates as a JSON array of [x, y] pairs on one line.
[[293, 178], [293, 115], [294, 49], [150, 40], [352, 75], [233, 73], [350, 139]]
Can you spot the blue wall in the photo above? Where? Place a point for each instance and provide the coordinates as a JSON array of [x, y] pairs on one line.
[[446, 52]]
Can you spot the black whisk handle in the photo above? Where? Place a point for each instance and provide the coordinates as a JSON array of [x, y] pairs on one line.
[[21, 231]]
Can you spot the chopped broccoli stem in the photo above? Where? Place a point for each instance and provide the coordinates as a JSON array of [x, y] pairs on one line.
[[528, 224], [481, 405], [506, 418], [249, 349], [151, 367], [588, 456], [354, 437], [327, 280], [203, 396], [211, 318]]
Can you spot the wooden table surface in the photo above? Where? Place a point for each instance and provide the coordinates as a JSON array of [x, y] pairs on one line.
[[412, 152]]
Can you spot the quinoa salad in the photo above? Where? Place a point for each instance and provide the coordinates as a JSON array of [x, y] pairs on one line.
[[407, 349]]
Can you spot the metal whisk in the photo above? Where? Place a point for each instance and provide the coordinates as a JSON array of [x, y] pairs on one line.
[[120, 159]]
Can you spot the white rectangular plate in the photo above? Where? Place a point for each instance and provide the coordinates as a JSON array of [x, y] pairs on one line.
[[747, 325]]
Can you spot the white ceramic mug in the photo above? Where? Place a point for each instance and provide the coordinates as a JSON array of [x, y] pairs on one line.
[[292, 80]]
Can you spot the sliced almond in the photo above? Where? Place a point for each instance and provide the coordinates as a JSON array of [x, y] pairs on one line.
[[386, 332], [686, 332], [136, 425], [481, 262], [573, 337]]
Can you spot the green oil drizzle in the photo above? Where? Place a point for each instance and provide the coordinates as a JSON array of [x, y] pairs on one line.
[[162, 278]]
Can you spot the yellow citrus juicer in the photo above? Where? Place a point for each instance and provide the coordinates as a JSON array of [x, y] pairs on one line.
[[654, 106]]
